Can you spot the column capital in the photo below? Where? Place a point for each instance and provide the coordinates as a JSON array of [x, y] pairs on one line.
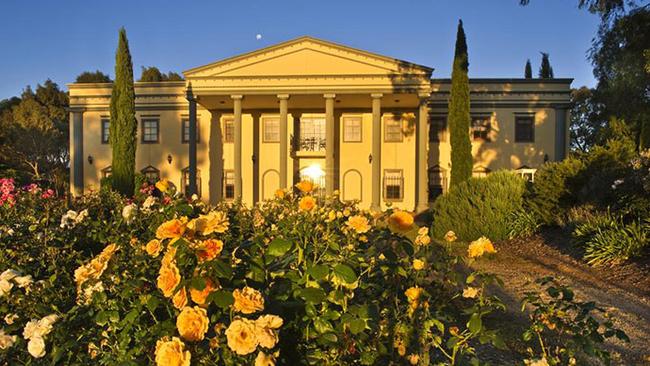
[[283, 96], [376, 95], [329, 96], [237, 97]]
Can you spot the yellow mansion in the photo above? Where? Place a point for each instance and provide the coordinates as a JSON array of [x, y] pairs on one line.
[[370, 126]]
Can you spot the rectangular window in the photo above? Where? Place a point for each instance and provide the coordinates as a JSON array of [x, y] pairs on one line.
[[185, 122], [229, 185], [312, 134], [229, 130], [352, 129], [481, 127], [393, 185], [392, 129], [525, 129], [271, 126], [186, 181], [150, 130], [106, 128], [437, 129], [437, 183]]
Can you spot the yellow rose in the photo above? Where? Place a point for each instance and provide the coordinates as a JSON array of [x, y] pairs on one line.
[[199, 296], [215, 222], [172, 353], [162, 185], [192, 323], [331, 216], [413, 359], [248, 300], [168, 279], [450, 236], [170, 229], [263, 359], [241, 336], [418, 264], [305, 186], [401, 219], [358, 223], [307, 203], [413, 294], [267, 337], [180, 299], [170, 255], [470, 292], [153, 247], [480, 246], [209, 249], [279, 193]]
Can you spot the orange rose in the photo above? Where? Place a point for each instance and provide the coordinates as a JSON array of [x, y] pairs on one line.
[[279, 193], [209, 249], [401, 219], [170, 229], [172, 353], [305, 186], [180, 299], [192, 323], [307, 203], [168, 279], [199, 296], [153, 247]]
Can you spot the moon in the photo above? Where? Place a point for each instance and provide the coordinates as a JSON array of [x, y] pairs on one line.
[[258, 37]]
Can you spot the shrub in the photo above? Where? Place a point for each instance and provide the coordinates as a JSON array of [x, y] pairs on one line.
[[523, 224], [479, 207], [554, 190]]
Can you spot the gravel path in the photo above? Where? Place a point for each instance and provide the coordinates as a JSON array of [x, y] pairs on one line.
[[623, 290]]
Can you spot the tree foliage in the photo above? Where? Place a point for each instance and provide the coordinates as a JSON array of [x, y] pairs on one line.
[[607, 9], [93, 77], [123, 126], [34, 134], [459, 116], [528, 71], [587, 123], [545, 69], [152, 73]]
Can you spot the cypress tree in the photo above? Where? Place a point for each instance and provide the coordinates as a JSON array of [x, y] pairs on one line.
[[528, 72], [459, 117], [545, 69], [123, 126]]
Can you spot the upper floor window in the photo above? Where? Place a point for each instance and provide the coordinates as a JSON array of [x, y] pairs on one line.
[[271, 126], [229, 130], [392, 129], [524, 129], [481, 127], [312, 134], [437, 129], [185, 184], [393, 185], [106, 128], [151, 174], [229, 185], [185, 122], [150, 130], [351, 129]]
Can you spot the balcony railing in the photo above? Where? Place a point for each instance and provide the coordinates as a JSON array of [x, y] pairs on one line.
[[309, 142]]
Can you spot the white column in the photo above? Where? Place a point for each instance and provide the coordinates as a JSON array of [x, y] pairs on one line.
[[376, 152], [284, 144], [329, 143], [76, 154], [238, 143], [422, 154]]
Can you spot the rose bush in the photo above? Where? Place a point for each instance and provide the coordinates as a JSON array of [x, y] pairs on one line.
[[300, 279]]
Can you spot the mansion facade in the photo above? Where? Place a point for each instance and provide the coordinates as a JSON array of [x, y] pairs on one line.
[[370, 126]]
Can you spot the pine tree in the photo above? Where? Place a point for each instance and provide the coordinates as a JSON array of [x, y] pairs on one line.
[[123, 126], [459, 117], [545, 69], [528, 72]]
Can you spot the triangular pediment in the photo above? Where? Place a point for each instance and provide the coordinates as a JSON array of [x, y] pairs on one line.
[[307, 56]]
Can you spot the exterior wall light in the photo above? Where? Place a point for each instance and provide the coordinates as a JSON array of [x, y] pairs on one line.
[[90, 160], [369, 158], [169, 158]]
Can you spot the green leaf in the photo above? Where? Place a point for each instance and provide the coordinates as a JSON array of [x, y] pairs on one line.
[[222, 298], [475, 323], [357, 326], [152, 303], [323, 326], [313, 295], [318, 272], [198, 283], [278, 247], [221, 269], [345, 273]]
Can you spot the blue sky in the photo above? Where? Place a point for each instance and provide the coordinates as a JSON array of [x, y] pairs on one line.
[[60, 39]]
